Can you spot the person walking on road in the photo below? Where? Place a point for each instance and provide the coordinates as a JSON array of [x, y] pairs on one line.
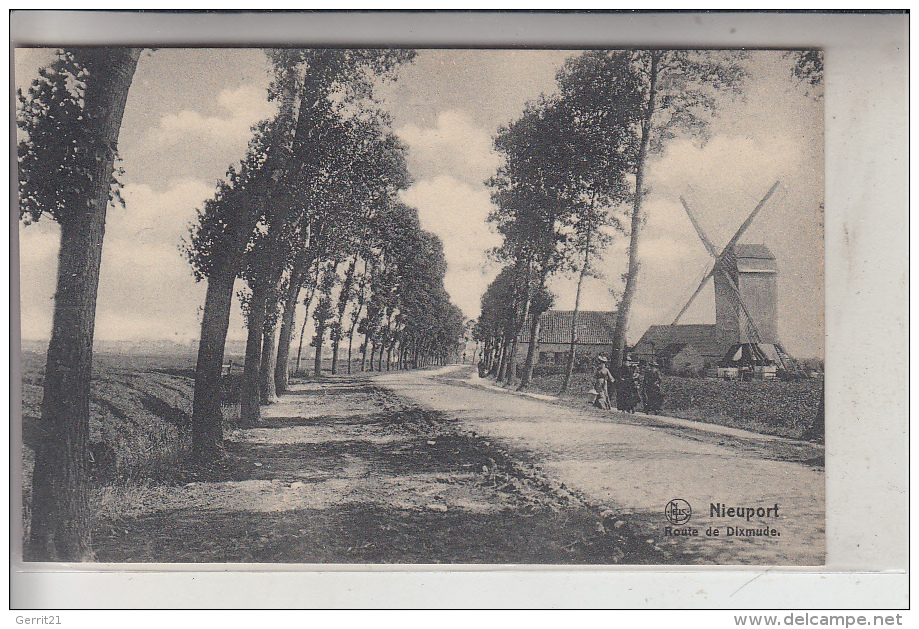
[[653, 390], [603, 383]]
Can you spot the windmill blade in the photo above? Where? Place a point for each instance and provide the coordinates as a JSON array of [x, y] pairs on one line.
[[750, 218], [708, 243], [702, 284]]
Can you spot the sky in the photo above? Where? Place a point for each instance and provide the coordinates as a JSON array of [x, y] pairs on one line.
[[188, 117]]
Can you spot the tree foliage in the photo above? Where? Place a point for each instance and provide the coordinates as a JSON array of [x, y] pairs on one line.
[[807, 68], [58, 150], [652, 96]]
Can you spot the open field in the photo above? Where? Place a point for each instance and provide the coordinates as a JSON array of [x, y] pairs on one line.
[[785, 409], [140, 406]]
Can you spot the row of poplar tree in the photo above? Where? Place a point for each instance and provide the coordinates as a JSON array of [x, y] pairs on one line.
[[311, 209], [574, 178]]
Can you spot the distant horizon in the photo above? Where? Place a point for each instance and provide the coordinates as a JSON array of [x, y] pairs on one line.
[[191, 346]]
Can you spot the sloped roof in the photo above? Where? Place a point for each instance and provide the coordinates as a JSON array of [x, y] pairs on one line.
[[700, 336], [593, 327], [752, 250]]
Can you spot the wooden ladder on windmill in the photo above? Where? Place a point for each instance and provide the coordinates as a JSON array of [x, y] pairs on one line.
[[722, 263]]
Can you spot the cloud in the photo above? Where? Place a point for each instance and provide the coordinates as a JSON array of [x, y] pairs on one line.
[[144, 277], [146, 289], [455, 147], [238, 109], [457, 213]]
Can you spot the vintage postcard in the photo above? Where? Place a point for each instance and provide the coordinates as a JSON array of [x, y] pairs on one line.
[[412, 306], [385, 306]]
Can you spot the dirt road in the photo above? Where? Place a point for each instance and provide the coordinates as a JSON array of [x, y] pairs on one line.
[[343, 472], [637, 470]]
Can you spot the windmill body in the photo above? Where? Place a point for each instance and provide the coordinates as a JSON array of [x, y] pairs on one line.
[[754, 271]]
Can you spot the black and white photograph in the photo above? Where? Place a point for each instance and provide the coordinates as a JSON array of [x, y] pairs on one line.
[[436, 309], [422, 306]]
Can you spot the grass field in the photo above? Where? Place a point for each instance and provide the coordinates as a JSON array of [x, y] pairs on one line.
[[785, 409], [140, 406]]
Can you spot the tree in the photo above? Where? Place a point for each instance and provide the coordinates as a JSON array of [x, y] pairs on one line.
[[602, 131], [323, 313], [335, 112], [70, 122], [537, 205], [345, 75], [808, 68], [360, 171], [678, 92], [498, 313], [224, 230]]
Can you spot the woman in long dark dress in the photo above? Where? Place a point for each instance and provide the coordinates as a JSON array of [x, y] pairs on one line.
[[653, 390], [623, 387]]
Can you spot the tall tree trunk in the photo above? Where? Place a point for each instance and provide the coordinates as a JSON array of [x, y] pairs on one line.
[[569, 369], [306, 315], [285, 336], [531, 351], [354, 322], [350, 347], [282, 363], [497, 359], [250, 413], [317, 357], [267, 390], [511, 365], [343, 299], [207, 430], [207, 423], [384, 332], [60, 529], [335, 341], [364, 353], [505, 359], [631, 281]]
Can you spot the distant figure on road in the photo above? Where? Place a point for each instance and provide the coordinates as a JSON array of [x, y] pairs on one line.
[[627, 397], [653, 390], [603, 382]]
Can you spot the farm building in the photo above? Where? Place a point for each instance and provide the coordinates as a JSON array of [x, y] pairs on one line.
[[681, 348], [593, 334]]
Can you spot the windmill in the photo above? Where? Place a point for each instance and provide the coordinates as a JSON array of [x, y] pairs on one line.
[[742, 274]]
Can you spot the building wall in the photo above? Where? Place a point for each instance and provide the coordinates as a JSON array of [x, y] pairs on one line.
[[688, 360], [727, 323], [760, 296], [759, 291], [557, 351]]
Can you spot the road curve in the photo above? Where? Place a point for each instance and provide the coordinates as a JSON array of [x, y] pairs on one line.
[[638, 470]]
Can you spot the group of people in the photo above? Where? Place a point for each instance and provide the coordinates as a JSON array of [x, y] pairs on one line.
[[633, 385]]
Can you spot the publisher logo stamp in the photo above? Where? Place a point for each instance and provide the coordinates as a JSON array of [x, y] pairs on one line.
[[678, 511]]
